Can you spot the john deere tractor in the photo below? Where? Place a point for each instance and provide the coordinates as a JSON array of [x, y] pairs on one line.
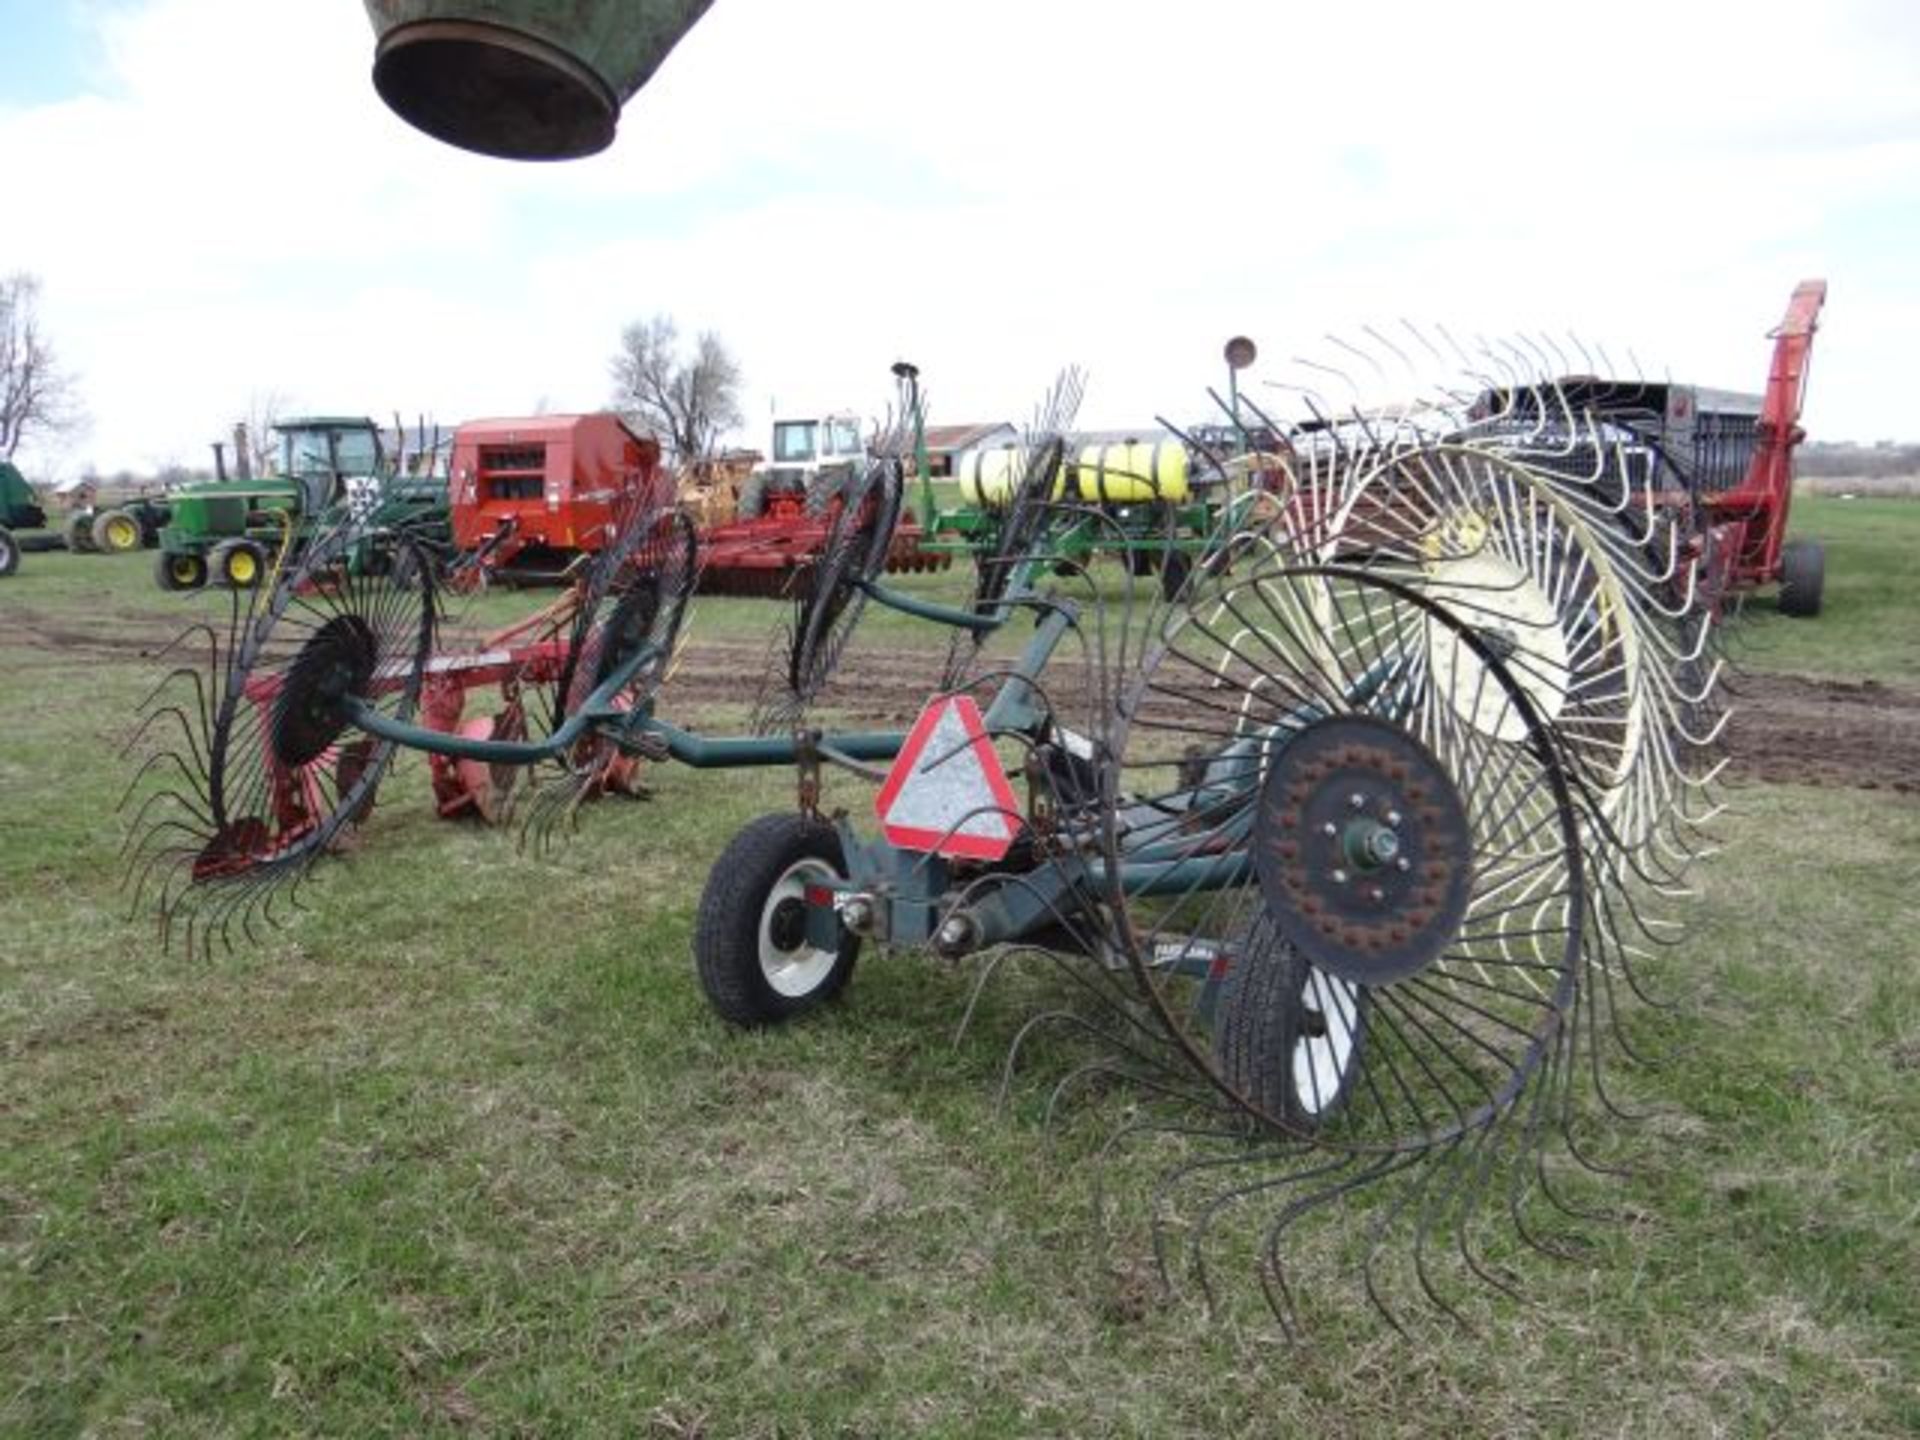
[[225, 531], [19, 510]]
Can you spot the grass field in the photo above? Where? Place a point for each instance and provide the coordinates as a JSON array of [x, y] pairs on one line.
[[462, 1151], [1866, 627]]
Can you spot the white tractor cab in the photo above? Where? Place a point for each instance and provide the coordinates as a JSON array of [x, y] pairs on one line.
[[809, 461]]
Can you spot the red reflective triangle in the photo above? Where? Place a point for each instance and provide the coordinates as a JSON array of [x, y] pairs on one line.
[[946, 793]]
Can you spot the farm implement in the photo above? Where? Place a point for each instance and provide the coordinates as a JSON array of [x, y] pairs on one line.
[[781, 518], [230, 531], [1155, 500], [114, 530], [531, 497], [1339, 861]]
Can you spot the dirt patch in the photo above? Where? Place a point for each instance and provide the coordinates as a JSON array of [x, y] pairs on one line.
[[871, 687], [1857, 734], [127, 634], [1785, 729]]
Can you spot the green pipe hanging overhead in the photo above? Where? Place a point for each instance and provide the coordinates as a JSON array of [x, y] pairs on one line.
[[522, 79]]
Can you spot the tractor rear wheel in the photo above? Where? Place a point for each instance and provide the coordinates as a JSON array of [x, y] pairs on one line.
[[179, 570], [79, 533], [115, 532], [238, 563], [749, 940], [752, 501], [1803, 575], [9, 553], [826, 487]]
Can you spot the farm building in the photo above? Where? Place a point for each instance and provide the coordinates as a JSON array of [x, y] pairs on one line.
[[947, 443]]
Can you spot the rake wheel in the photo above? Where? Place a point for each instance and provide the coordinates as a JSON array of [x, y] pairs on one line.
[[1021, 524], [634, 596], [631, 603], [833, 597], [255, 768], [1425, 867], [1495, 542]]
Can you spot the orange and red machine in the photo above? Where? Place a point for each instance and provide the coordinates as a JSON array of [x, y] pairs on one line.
[[533, 495], [1747, 519]]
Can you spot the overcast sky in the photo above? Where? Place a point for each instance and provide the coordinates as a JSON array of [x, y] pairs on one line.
[[218, 203]]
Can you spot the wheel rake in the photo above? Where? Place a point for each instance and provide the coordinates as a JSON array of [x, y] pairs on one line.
[[831, 598], [626, 622], [1348, 900], [249, 768], [1335, 866], [1571, 500], [258, 763]]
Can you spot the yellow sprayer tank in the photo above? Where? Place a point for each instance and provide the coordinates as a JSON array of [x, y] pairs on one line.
[[1127, 472]]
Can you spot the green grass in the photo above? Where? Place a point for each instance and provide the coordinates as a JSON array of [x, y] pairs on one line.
[[463, 1152], [1865, 627]]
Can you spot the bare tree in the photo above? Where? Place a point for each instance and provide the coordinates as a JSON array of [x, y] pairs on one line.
[[36, 394], [688, 403], [264, 409]]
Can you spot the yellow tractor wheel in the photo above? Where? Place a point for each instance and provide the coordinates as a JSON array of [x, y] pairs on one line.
[[180, 570], [238, 563], [115, 532]]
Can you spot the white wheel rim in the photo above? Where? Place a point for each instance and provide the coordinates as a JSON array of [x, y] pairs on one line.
[[798, 972], [1320, 1061]]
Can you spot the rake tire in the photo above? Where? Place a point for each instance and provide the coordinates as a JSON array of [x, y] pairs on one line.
[[1266, 1015], [1803, 575], [741, 914]]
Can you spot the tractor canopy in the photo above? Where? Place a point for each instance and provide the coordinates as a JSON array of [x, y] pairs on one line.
[[316, 448]]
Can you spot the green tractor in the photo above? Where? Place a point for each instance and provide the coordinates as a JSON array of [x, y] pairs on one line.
[[118, 529], [228, 531], [110, 531], [19, 510]]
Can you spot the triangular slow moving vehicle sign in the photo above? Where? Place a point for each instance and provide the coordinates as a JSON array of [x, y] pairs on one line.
[[946, 793]]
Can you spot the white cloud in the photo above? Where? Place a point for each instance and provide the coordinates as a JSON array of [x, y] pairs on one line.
[[991, 188]]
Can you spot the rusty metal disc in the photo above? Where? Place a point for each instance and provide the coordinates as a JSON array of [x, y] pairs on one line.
[[1362, 849]]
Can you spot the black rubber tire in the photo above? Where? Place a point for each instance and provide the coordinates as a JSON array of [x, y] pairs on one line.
[[168, 568], [752, 500], [1803, 576], [827, 486], [726, 932], [1139, 561], [1175, 566], [221, 559], [9, 553], [79, 533], [1262, 1013], [103, 530]]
